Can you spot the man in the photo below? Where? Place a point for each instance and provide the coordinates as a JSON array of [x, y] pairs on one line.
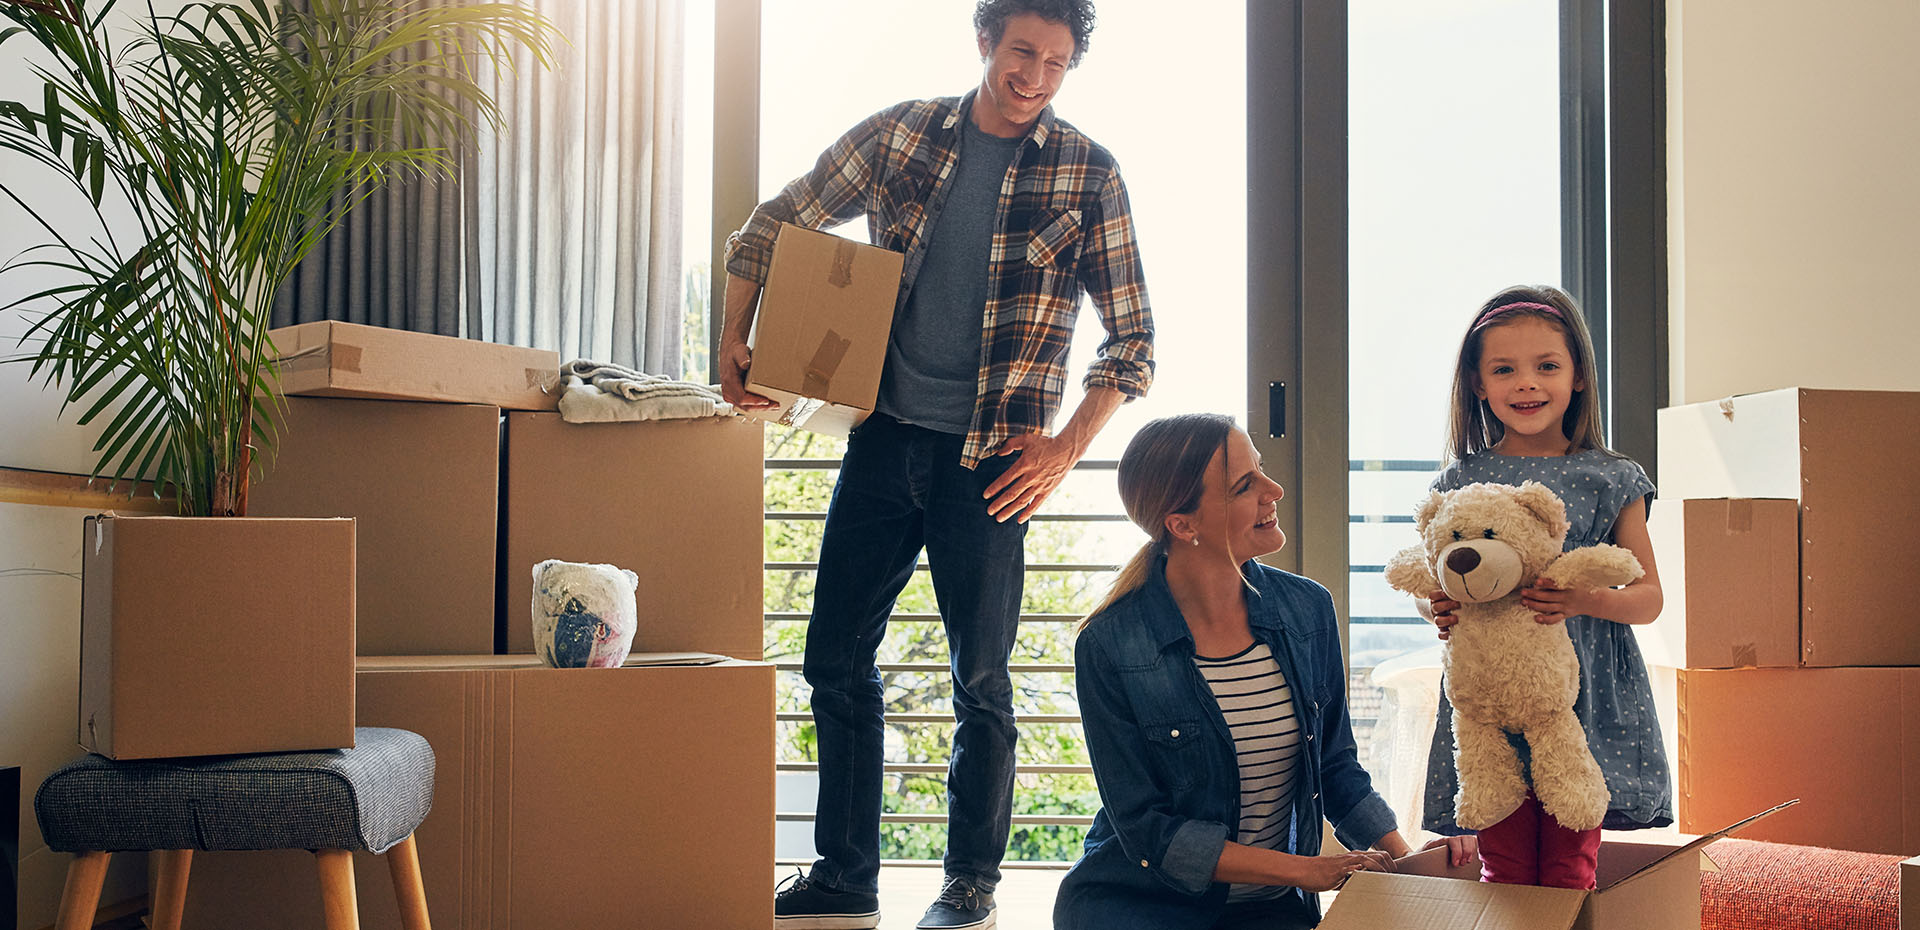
[[1005, 215]]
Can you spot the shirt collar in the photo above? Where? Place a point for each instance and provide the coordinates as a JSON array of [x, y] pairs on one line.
[[1168, 627], [1042, 127]]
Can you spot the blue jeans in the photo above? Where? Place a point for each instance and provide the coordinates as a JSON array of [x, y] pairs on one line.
[[902, 488]]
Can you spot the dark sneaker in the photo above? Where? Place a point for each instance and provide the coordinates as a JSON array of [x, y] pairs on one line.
[[960, 905], [801, 904]]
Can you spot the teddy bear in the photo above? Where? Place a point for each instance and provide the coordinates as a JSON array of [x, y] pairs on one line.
[[1505, 672]]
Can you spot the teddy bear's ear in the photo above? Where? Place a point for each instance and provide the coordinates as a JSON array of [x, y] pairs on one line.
[[1544, 505], [1424, 514]]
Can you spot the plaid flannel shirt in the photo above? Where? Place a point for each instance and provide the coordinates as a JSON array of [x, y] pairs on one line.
[[1063, 226]]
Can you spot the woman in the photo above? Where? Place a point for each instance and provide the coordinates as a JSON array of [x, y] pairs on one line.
[[1214, 696]]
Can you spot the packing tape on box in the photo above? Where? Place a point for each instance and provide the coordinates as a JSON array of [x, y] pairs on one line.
[[1740, 516], [826, 360], [1745, 656], [345, 358], [840, 273], [543, 380], [311, 357], [798, 412]]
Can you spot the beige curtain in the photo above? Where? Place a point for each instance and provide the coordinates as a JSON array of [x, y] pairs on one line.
[[573, 215]]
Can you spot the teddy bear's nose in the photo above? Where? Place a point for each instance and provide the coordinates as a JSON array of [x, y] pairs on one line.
[[1463, 560]]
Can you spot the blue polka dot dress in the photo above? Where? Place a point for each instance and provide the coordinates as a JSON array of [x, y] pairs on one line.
[[1616, 697]]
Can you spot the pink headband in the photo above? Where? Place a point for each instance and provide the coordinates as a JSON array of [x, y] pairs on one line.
[[1503, 309]]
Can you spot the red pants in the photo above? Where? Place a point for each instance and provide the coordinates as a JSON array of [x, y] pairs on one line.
[[1532, 848]]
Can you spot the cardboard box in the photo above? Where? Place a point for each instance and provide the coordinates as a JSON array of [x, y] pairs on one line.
[[423, 483], [213, 635], [820, 335], [1910, 894], [331, 359], [1732, 577], [679, 502], [1844, 740], [1848, 458], [629, 797], [1643, 885]]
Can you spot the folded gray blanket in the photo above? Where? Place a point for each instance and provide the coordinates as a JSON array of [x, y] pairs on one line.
[[600, 392]]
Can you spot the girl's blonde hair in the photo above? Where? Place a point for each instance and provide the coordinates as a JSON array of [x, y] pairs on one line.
[[1163, 472], [1471, 425]]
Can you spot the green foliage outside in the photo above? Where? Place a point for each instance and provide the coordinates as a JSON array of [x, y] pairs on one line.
[[694, 316], [1049, 643]]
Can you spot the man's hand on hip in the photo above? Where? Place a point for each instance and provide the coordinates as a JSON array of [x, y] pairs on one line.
[[1043, 463]]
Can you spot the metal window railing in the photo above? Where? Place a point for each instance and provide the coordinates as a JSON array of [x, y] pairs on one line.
[[928, 717]]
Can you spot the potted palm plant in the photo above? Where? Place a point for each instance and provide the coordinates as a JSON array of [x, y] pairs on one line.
[[204, 150]]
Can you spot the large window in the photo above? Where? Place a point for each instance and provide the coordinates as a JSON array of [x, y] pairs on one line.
[[1454, 192], [1313, 244]]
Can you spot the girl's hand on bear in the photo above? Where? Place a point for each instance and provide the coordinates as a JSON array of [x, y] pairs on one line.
[[1443, 608], [1552, 603]]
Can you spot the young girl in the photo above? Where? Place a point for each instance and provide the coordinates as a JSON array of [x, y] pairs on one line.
[[1522, 411]]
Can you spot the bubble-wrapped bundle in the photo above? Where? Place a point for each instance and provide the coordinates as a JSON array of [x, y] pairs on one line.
[[583, 614]]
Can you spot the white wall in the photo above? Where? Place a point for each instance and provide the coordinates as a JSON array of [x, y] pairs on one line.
[[1794, 202], [40, 546]]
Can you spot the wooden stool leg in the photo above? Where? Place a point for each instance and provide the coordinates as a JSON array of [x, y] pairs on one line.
[[82, 896], [336, 889], [403, 862], [170, 894]]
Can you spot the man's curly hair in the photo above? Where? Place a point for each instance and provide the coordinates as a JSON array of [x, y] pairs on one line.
[[990, 18]]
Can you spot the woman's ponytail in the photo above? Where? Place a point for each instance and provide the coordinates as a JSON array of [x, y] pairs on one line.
[[1163, 471], [1132, 577]]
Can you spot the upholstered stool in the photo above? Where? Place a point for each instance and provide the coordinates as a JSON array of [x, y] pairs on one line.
[[332, 802]]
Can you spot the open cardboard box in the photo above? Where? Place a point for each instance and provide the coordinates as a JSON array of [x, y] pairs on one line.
[[1643, 885], [820, 336]]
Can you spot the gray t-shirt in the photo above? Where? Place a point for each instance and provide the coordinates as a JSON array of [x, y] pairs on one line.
[[932, 372]]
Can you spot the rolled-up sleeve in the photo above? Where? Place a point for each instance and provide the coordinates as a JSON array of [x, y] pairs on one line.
[[1114, 281], [1182, 851], [834, 192]]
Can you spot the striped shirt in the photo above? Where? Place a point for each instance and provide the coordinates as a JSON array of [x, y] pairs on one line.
[[1062, 227], [1254, 697]]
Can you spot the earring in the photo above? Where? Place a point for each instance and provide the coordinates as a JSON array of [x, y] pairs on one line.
[[1196, 540]]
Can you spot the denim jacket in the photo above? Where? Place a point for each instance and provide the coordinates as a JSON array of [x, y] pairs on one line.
[[1164, 759]]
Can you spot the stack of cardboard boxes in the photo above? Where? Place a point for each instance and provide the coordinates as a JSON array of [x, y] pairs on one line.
[[563, 797], [1785, 548]]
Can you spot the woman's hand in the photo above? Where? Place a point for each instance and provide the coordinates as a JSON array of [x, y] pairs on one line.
[[1325, 873], [1460, 849], [1443, 612]]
